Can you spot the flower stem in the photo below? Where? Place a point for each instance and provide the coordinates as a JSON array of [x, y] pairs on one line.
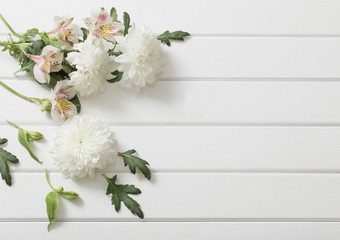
[[16, 126], [48, 181], [33, 100], [9, 27]]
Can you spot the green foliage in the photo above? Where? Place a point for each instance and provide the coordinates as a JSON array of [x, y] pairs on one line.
[[27, 64], [167, 36], [6, 157], [113, 14], [85, 33], [3, 141], [51, 206], [24, 141], [117, 78], [76, 102], [126, 19], [52, 200], [120, 194], [135, 162], [53, 42], [30, 33]]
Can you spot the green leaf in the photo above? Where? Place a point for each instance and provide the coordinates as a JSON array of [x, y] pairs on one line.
[[51, 206], [117, 78], [135, 162], [85, 33], [27, 64], [24, 141], [126, 19], [32, 32], [3, 141], [120, 194], [113, 14], [76, 102], [48, 41], [55, 77], [167, 36], [4, 169]]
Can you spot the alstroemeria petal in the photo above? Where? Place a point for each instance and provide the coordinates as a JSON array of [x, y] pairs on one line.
[[63, 110], [63, 90], [110, 30], [40, 74]]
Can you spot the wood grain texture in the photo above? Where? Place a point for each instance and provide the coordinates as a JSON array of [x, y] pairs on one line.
[[183, 197], [241, 132], [173, 230], [187, 102], [207, 58], [292, 17], [206, 148]]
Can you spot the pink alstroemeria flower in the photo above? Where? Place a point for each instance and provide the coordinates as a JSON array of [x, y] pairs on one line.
[[61, 108], [101, 24], [49, 61], [65, 31]]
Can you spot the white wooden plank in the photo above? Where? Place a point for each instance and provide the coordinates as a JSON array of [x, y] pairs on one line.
[[176, 102], [198, 17], [225, 57], [171, 230], [186, 197], [207, 149]]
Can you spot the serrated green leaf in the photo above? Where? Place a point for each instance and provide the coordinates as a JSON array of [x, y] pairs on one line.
[[55, 77], [4, 168], [51, 206], [126, 19], [24, 141], [135, 162], [117, 78], [32, 32], [3, 140], [85, 33], [113, 14], [120, 194], [76, 102], [167, 36], [27, 64]]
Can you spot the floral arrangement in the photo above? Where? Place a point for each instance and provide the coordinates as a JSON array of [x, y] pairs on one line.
[[75, 63]]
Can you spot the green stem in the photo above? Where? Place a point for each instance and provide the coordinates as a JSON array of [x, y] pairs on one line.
[[48, 181], [16, 126], [9, 27], [17, 45], [35, 100]]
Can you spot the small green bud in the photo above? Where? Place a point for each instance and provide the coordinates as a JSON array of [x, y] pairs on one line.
[[34, 135], [45, 105], [60, 189], [53, 37], [69, 194]]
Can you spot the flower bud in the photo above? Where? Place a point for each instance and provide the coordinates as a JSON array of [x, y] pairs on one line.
[[35, 136], [69, 194], [45, 105]]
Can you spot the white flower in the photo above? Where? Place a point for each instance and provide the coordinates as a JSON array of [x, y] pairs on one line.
[[49, 61], [61, 108], [65, 31], [141, 60], [81, 145], [101, 24], [94, 67]]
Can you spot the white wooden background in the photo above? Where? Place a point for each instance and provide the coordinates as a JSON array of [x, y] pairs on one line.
[[242, 132]]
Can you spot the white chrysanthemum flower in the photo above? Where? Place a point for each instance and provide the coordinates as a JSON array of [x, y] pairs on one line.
[[141, 60], [94, 67], [81, 145]]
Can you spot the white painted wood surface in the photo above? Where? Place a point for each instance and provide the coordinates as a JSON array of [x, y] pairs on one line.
[[242, 132]]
